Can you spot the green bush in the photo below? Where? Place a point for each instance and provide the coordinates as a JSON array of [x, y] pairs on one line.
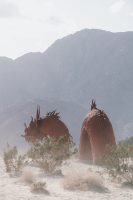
[[50, 152], [119, 162], [13, 162], [128, 143]]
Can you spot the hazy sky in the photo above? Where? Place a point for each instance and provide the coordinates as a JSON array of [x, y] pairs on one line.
[[33, 25]]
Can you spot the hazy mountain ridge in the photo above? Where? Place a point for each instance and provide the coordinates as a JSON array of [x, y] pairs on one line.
[[85, 65]]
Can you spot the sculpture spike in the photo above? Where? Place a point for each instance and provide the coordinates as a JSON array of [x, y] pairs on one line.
[[37, 113], [93, 105]]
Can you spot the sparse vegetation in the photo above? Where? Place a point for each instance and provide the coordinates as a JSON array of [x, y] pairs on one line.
[[119, 163], [39, 187], [128, 143], [13, 161], [50, 152]]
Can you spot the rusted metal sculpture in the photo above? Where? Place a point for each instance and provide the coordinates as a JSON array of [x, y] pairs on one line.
[[96, 134], [50, 125]]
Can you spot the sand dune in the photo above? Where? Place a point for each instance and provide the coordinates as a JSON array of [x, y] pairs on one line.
[[80, 182]]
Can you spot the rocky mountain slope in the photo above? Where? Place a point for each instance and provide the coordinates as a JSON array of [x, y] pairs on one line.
[[88, 64]]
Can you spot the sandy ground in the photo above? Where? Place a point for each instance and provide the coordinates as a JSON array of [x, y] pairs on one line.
[[17, 189]]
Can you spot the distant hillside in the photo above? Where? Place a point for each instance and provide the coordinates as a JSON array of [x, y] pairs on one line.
[[88, 64]]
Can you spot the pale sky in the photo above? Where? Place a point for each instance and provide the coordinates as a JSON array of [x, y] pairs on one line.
[[33, 25]]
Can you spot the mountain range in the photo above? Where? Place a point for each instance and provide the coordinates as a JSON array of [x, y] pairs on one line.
[[88, 64]]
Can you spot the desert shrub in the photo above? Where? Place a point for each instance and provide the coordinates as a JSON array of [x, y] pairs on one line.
[[119, 163], [39, 187], [50, 152], [13, 162], [128, 143]]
